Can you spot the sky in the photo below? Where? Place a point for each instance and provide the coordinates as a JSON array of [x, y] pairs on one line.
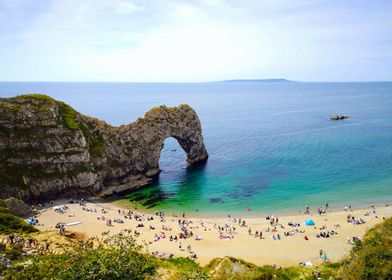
[[196, 40]]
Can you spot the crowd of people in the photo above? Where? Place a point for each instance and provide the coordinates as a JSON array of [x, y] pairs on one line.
[[190, 228], [26, 243]]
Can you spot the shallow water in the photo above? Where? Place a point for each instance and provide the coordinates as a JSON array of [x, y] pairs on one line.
[[272, 146]]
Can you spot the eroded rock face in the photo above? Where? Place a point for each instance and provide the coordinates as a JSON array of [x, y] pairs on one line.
[[18, 207], [47, 149]]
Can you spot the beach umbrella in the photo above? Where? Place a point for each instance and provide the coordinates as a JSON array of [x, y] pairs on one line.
[[309, 222]]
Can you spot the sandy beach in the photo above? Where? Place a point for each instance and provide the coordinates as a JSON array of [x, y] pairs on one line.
[[224, 236]]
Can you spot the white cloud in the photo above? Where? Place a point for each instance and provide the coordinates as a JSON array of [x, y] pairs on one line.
[[172, 40]]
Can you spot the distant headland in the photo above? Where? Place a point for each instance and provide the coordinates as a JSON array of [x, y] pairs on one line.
[[258, 81]]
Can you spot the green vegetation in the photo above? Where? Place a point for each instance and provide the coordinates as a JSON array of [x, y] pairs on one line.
[[232, 268], [70, 120], [12, 224], [121, 258], [34, 96], [153, 112], [182, 269], [97, 147], [68, 115], [114, 258], [19, 174], [371, 258]]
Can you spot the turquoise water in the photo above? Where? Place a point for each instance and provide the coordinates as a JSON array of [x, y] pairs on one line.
[[272, 146]]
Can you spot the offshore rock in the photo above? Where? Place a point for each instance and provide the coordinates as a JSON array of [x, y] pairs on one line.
[[338, 117], [47, 149]]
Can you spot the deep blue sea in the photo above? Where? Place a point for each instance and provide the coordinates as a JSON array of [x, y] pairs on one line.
[[272, 146]]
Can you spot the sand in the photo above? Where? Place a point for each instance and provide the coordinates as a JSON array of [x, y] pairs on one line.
[[285, 252]]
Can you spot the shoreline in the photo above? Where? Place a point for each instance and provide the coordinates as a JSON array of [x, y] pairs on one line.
[[124, 203], [287, 251]]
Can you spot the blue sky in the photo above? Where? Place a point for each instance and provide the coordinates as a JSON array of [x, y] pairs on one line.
[[192, 41]]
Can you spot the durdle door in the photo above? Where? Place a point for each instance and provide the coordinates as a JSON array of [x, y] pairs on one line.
[[47, 149]]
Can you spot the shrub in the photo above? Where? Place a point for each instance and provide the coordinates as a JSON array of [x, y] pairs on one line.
[[371, 258], [12, 224], [114, 258], [13, 253]]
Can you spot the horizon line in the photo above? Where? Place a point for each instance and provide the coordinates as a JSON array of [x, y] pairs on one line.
[[250, 80]]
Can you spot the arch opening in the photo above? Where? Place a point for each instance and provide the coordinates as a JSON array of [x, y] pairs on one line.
[[171, 159]]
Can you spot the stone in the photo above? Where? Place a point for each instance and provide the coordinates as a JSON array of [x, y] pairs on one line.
[[338, 117], [18, 207], [48, 150]]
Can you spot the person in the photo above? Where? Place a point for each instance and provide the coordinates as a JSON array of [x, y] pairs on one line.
[[321, 253], [325, 257], [11, 238], [62, 229]]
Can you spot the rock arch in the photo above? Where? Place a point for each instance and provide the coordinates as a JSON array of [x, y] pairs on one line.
[[146, 136], [47, 149]]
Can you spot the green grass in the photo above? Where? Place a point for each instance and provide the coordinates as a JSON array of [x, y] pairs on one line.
[[70, 120], [371, 258], [114, 258], [68, 115], [34, 96], [12, 224], [97, 147], [183, 268]]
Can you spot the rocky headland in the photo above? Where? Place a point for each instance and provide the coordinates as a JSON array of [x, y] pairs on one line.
[[47, 149]]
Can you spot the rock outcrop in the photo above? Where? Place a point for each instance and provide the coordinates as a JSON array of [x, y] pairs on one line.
[[17, 207], [338, 117], [47, 149]]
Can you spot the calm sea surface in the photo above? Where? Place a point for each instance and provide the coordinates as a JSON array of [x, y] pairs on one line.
[[272, 146]]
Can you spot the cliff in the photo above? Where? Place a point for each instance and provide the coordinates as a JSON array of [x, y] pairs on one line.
[[47, 149]]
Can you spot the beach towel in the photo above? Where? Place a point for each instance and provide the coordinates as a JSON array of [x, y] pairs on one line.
[[73, 223]]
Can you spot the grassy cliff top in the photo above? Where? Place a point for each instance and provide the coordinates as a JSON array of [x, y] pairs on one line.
[[9, 223]]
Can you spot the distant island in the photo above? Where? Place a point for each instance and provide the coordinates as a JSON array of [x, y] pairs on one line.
[[258, 81]]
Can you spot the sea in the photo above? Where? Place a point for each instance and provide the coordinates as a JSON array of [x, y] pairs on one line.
[[272, 145]]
